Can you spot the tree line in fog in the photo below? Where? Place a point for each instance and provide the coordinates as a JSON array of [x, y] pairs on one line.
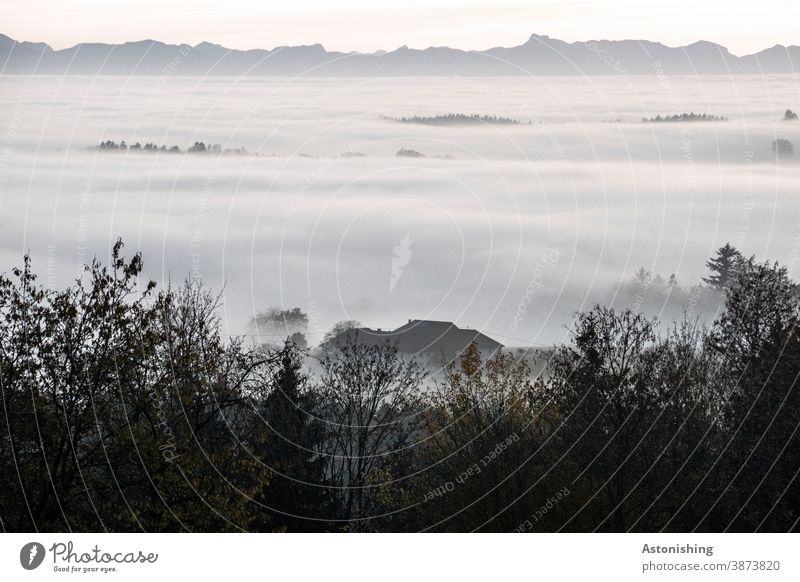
[[197, 147]]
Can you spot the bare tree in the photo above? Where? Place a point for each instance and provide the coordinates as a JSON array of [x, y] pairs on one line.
[[372, 402]]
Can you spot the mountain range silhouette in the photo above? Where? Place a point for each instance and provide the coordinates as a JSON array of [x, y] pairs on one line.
[[540, 55]]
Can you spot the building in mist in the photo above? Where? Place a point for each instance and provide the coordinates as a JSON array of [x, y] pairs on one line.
[[424, 339]]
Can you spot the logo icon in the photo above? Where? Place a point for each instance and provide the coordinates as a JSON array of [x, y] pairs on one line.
[[402, 255], [31, 555]]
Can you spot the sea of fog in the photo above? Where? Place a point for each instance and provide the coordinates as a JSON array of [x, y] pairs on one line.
[[507, 229]]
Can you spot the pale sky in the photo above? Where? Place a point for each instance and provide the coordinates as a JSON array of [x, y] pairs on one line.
[[744, 26]]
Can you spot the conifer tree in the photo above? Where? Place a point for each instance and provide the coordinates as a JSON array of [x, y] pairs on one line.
[[723, 267]]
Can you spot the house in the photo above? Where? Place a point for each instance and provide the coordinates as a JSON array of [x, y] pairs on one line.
[[433, 341]]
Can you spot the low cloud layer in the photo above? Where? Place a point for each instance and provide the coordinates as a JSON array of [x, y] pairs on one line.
[[551, 215]]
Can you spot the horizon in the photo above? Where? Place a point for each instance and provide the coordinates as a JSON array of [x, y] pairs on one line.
[[479, 25], [388, 50]]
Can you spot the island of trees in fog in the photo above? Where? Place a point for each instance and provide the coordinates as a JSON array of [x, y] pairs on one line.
[[458, 119], [680, 117], [128, 410], [198, 147]]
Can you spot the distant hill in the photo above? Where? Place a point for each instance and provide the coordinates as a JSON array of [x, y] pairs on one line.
[[540, 55]]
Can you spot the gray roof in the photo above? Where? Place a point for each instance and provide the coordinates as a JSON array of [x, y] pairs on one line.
[[420, 336]]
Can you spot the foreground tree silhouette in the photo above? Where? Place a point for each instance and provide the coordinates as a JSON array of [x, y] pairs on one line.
[[120, 406], [63, 356], [126, 409], [756, 339], [297, 492], [482, 428], [619, 413], [372, 407]]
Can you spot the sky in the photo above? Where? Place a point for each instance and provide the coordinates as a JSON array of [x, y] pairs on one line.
[[743, 26]]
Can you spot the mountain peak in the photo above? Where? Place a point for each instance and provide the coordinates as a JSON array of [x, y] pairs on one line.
[[205, 45], [537, 38]]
